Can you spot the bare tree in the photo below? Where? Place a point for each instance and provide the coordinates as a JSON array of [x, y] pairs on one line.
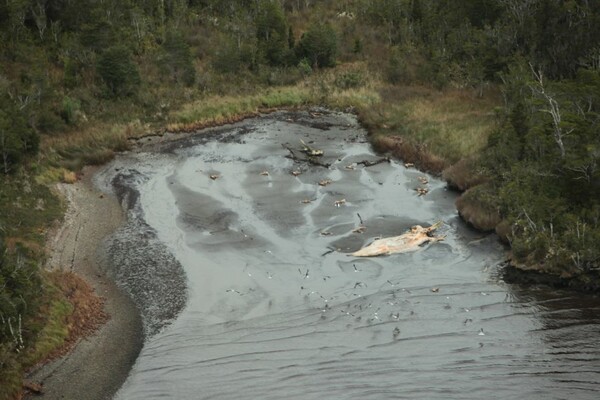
[[553, 109], [55, 29], [519, 9], [38, 10]]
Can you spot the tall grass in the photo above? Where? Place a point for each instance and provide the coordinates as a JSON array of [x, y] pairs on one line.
[[319, 89], [448, 125], [437, 128]]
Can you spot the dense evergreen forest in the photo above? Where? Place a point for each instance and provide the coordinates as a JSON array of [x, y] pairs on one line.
[[69, 66]]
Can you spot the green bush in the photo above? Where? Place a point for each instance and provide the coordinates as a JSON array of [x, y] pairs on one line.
[[272, 34], [319, 46], [70, 109], [304, 67], [118, 71]]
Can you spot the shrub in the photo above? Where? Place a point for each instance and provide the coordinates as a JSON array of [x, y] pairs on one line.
[[70, 108], [304, 67], [272, 34], [118, 71], [318, 45]]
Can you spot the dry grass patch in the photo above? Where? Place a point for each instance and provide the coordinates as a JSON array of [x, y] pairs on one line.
[[415, 154], [451, 124], [320, 89], [463, 175], [93, 145]]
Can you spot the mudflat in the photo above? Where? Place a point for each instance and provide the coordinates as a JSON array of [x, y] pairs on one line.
[[99, 364]]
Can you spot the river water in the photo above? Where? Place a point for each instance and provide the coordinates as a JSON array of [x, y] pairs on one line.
[[247, 290]]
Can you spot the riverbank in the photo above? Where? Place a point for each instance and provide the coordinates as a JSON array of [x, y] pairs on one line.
[[376, 104], [98, 364], [374, 108]]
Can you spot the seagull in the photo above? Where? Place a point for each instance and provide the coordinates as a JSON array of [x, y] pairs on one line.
[[481, 332]]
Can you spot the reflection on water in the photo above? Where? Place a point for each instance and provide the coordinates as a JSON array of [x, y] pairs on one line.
[[277, 309]]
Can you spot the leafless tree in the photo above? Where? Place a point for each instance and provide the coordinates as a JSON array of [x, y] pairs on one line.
[[38, 10], [553, 108]]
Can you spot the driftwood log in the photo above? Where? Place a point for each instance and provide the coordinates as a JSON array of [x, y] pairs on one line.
[[368, 163], [308, 159]]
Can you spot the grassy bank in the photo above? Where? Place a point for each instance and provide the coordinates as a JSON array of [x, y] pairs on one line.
[[429, 127], [437, 128]]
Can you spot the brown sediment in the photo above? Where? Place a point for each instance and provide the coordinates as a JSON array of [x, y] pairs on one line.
[[190, 127], [463, 175], [416, 154], [106, 340], [88, 310]]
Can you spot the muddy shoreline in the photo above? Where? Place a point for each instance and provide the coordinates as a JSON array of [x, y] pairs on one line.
[[99, 364]]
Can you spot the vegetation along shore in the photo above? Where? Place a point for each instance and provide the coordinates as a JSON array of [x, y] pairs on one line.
[[500, 97]]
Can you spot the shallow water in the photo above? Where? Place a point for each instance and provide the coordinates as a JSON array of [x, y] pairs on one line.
[[247, 292]]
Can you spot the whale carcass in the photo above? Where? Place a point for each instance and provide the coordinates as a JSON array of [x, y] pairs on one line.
[[410, 241]]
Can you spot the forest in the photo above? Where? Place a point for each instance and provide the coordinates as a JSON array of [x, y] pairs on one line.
[[502, 97]]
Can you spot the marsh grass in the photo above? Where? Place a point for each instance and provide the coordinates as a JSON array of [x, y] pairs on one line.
[[445, 125], [92, 145], [437, 128], [464, 174], [52, 321], [321, 89], [72, 310]]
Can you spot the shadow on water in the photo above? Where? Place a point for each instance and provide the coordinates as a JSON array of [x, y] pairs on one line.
[[274, 307]]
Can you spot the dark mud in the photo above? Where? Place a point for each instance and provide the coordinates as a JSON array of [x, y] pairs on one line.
[[276, 308]]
